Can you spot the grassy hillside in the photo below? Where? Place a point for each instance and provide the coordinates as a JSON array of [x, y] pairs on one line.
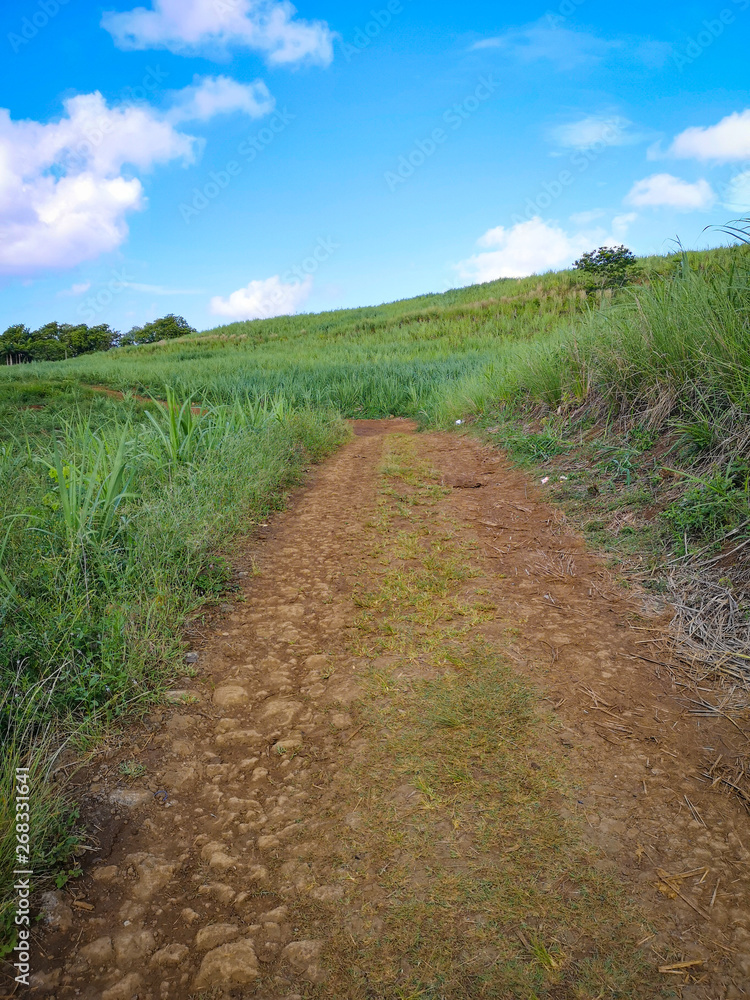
[[115, 513]]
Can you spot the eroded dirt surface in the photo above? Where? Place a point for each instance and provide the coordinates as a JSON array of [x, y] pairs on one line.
[[227, 874]]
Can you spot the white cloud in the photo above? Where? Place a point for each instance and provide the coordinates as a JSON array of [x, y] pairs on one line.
[[267, 26], [725, 142], [263, 299], [79, 289], [594, 130], [737, 194], [67, 186], [528, 248], [666, 191], [63, 196], [210, 96], [566, 48]]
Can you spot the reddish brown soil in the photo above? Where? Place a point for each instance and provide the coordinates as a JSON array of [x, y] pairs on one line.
[[209, 851]]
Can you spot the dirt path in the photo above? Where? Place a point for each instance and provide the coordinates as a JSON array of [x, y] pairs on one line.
[[424, 757]]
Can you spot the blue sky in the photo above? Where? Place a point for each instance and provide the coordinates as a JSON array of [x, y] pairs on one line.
[[227, 159]]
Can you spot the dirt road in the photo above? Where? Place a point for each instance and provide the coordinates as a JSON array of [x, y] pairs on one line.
[[426, 755]]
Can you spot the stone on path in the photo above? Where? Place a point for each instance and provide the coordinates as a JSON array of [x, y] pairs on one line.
[[233, 964]]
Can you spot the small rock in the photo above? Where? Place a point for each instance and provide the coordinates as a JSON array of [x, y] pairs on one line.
[[191, 658], [212, 936], [132, 947], [230, 695], [108, 873], [301, 954], [172, 955], [131, 798], [153, 874], [277, 916], [125, 989], [280, 711], [340, 720], [220, 861], [268, 842], [230, 965], [224, 893], [257, 873], [260, 773], [56, 914], [284, 746], [99, 952], [189, 916]]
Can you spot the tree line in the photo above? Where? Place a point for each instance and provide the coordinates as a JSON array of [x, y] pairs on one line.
[[59, 341]]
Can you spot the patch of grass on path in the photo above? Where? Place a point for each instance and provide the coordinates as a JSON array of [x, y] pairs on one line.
[[483, 890]]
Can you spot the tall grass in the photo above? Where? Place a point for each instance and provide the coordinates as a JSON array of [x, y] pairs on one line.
[[679, 345]]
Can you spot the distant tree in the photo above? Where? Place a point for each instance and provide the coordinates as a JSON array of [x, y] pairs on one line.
[[166, 328], [88, 339], [15, 345], [608, 267], [54, 342], [48, 343]]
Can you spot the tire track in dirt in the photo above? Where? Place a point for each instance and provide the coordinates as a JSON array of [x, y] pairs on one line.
[[220, 873]]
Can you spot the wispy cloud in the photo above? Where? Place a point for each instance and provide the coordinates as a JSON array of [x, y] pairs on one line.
[[563, 47], [210, 96], [595, 130], [76, 289], [162, 289]]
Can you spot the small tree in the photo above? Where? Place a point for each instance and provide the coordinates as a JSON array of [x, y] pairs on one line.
[[608, 267], [166, 328]]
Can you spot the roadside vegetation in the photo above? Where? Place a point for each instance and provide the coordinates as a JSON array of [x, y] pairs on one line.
[[627, 389]]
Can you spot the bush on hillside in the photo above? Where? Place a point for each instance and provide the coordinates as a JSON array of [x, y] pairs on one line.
[[166, 328], [608, 267]]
